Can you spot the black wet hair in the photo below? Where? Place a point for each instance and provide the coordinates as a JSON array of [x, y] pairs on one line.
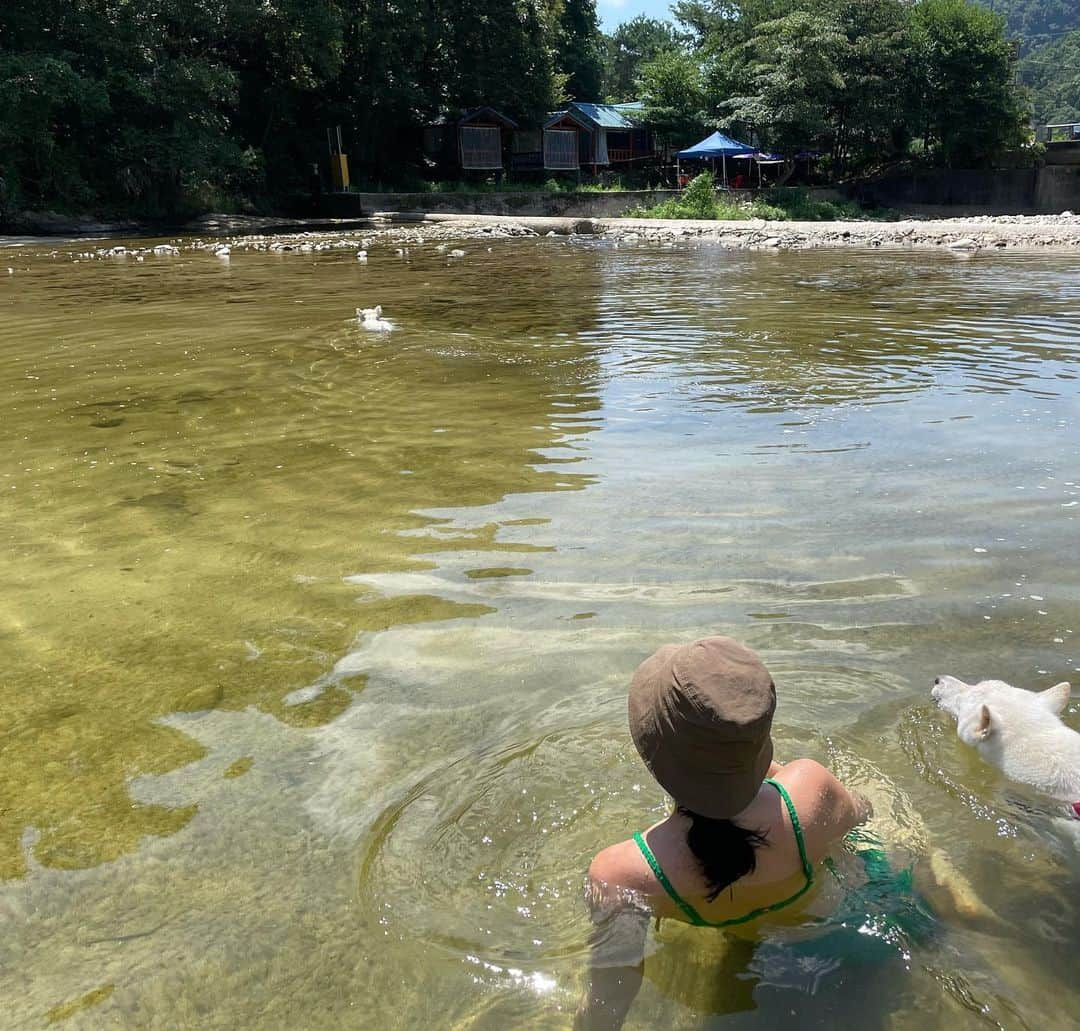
[[724, 850]]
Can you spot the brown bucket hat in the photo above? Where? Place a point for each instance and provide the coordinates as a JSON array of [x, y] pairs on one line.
[[700, 716]]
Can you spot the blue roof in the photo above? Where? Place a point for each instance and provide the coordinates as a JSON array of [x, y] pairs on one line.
[[718, 145], [607, 116]]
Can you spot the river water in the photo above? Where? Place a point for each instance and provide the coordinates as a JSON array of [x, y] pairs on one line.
[[316, 641]]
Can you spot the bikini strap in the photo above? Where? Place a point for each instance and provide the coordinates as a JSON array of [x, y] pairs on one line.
[[658, 871], [692, 914], [808, 868]]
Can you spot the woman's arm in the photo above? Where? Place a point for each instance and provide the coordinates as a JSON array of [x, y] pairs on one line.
[[616, 959], [828, 809]]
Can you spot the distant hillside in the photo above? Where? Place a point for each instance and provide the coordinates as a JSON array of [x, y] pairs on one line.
[[1053, 74], [1037, 21], [1049, 34]]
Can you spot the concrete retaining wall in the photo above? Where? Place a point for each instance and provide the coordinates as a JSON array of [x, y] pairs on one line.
[[955, 192], [947, 193]]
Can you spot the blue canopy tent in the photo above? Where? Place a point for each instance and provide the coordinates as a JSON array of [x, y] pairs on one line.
[[716, 146]]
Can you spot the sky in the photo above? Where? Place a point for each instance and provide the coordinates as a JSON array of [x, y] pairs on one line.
[[615, 12]]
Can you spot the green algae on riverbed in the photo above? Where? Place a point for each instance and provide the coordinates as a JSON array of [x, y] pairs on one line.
[[317, 644], [187, 551]]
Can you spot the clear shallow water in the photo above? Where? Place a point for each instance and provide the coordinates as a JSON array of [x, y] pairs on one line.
[[316, 641]]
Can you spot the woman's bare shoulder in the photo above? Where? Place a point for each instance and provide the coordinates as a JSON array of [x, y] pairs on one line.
[[827, 809], [617, 872]]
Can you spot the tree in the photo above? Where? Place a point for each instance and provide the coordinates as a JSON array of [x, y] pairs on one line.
[[166, 106], [970, 110], [859, 78], [633, 44], [671, 87], [795, 74], [872, 111], [578, 53]]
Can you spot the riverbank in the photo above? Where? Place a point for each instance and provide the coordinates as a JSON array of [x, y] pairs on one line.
[[961, 235], [1042, 232], [1031, 232]]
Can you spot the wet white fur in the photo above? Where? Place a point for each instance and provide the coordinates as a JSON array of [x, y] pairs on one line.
[[371, 319], [1019, 732]]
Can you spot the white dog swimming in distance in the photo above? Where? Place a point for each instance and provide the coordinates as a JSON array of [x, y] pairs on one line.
[[1019, 732], [371, 319]]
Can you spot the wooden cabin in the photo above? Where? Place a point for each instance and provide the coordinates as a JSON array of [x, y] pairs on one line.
[[596, 136], [480, 140]]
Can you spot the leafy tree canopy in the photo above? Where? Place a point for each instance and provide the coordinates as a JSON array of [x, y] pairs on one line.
[[632, 45]]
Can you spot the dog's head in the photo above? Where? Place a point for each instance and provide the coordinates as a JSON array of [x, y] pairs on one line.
[[982, 709]]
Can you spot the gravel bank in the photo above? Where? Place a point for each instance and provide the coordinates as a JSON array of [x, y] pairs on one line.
[[395, 235], [1041, 232]]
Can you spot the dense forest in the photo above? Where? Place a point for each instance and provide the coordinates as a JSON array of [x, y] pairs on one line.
[[167, 106], [865, 82]]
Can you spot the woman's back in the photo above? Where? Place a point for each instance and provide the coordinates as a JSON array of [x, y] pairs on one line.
[[796, 837], [742, 844]]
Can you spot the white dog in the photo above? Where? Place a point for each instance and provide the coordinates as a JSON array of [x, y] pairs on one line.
[[1020, 732], [371, 319]]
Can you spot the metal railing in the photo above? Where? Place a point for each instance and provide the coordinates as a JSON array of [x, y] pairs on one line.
[[1067, 132]]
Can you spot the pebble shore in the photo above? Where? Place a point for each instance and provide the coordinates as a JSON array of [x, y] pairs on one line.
[[396, 231], [988, 232]]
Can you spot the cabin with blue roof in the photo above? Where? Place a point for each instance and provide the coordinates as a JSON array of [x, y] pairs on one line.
[[596, 136]]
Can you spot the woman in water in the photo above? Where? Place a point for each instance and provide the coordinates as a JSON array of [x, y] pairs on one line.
[[745, 834]]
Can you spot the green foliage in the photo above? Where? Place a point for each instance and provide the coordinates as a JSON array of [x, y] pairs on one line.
[[794, 71], [578, 52], [799, 205], [166, 106], [1053, 73], [859, 80], [1036, 21], [632, 45], [700, 201], [672, 88], [964, 68]]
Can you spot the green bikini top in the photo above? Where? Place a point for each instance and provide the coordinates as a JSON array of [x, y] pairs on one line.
[[693, 915]]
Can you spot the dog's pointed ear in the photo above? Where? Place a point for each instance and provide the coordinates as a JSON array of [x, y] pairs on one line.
[[986, 725], [1057, 697]]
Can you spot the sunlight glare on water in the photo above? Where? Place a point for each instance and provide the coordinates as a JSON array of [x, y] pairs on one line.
[[317, 640]]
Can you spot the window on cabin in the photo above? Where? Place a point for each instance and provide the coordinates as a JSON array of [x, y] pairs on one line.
[[560, 149], [481, 147]]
